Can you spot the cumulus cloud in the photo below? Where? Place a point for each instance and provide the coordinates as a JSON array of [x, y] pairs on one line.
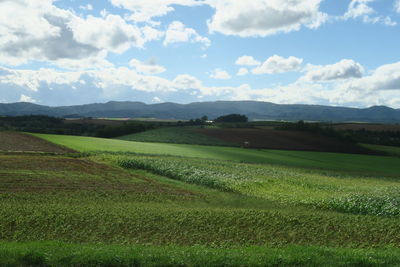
[[385, 77], [51, 87], [264, 17], [360, 9], [37, 30], [242, 72], [32, 80], [177, 32], [149, 67], [344, 69], [247, 61], [278, 64], [145, 10], [185, 81], [220, 74], [111, 33]]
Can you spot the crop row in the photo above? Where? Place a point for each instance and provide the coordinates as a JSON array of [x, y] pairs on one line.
[[349, 194]]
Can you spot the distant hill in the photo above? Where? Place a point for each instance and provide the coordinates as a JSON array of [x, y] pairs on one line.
[[252, 109]]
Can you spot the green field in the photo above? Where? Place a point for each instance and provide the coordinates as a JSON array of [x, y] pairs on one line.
[[123, 203], [390, 150], [176, 135], [362, 164], [329, 190]]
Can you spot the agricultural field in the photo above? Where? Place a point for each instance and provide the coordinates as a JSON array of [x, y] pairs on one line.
[[367, 126], [178, 135], [124, 203], [279, 139], [17, 142], [390, 150], [355, 163]]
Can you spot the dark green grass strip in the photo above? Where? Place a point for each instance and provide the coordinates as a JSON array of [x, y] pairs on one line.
[[176, 135], [158, 225], [57, 254]]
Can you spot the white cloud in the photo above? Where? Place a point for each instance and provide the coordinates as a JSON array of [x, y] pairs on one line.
[[37, 30], [247, 61], [150, 34], [51, 87], [220, 75], [264, 17], [87, 7], [278, 64], [397, 6], [177, 32], [361, 9], [185, 81], [156, 99], [25, 98], [344, 69], [111, 33], [242, 72], [150, 67], [385, 77], [145, 10], [32, 80], [295, 93]]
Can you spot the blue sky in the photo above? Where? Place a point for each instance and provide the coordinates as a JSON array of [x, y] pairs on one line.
[[67, 52]]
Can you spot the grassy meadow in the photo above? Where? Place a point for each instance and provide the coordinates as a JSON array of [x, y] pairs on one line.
[[127, 203]]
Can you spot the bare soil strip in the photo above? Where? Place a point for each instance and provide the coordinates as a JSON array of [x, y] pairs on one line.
[[41, 174], [21, 142]]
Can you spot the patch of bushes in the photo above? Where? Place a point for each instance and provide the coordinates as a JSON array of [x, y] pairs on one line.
[[52, 125], [232, 118]]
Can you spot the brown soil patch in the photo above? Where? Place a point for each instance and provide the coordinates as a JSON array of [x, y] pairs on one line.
[[57, 174], [52, 163], [16, 142], [286, 140]]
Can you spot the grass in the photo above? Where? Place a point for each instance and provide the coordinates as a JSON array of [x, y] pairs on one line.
[[330, 190], [362, 164], [65, 254], [177, 135], [391, 150]]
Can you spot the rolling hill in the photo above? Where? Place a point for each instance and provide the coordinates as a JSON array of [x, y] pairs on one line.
[[253, 109]]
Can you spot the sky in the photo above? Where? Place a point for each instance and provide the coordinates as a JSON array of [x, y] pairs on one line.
[[325, 52]]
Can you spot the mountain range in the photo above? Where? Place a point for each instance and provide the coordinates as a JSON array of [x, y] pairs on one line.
[[253, 109]]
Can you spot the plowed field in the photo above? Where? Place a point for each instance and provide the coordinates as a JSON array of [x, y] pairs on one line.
[[20, 142]]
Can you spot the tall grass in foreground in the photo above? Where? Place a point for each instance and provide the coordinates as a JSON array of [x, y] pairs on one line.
[[57, 254]]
